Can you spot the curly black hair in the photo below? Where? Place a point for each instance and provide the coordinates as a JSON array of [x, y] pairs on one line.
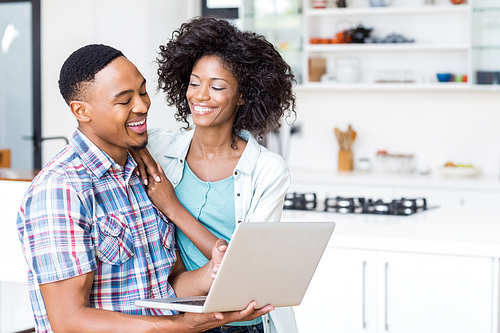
[[265, 80], [82, 66]]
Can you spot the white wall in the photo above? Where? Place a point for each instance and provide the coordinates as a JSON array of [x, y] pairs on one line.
[[137, 28], [436, 126]]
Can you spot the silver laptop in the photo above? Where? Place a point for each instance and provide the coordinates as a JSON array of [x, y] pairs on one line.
[[271, 263]]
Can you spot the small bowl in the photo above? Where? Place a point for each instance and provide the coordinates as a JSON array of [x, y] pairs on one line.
[[444, 77], [460, 172]]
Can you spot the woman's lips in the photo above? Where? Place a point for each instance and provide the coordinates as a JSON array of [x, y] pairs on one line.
[[198, 109]]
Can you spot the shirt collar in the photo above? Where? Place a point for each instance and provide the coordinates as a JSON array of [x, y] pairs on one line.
[[180, 146], [248, 159], [96, 160], [250, 155]]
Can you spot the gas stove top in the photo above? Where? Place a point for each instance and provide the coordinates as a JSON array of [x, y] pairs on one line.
[[355, 205]]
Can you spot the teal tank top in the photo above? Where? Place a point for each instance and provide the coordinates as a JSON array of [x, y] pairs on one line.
[[211, 203]]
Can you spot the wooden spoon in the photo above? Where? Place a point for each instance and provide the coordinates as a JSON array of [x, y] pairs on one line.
[[338, 134], [353, 137]]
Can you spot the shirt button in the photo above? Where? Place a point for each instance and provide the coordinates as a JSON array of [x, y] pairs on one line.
[[147, 255], [181, 160], [239, 221], [175, 182], [235, 172], [237, 194]]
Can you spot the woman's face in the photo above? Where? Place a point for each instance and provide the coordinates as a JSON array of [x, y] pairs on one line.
[[212, 94]]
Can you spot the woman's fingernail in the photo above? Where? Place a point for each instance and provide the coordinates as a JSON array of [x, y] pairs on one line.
[[145, 182], [157, 178]]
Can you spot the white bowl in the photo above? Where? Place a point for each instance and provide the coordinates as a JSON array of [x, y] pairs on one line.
[[459, 172]]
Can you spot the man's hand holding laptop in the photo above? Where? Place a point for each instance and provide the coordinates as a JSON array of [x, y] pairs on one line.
[[205, 321], [201, 286]]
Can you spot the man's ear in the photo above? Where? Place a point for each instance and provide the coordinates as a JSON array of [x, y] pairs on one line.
[[80, 111]]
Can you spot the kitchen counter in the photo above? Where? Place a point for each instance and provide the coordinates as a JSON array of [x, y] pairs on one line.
[[17, 175], [465, 231], [400, 272]]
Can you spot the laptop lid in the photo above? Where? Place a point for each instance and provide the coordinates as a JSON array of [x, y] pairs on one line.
[[271, 263]]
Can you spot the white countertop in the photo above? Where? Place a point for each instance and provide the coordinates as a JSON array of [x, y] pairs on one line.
[[443, 230]]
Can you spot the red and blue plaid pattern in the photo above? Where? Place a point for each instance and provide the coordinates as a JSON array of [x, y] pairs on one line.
[[85, 213]]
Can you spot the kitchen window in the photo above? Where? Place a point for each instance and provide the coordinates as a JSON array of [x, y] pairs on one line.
[[20, 92]]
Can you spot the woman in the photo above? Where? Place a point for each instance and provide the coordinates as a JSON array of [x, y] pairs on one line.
[[235, 86]]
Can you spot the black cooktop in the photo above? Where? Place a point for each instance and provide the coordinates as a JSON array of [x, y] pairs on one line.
[[355, 205]]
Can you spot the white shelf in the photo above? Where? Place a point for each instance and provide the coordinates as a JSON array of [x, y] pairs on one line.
[[320, 86], [367, 11], [448, 86], [443, 44], [385, 47], [486, 87], [446, 35]]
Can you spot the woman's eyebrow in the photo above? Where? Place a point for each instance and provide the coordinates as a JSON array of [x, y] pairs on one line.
[[212, 78]]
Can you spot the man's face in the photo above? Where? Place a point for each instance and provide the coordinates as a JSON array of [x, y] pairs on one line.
[[117, 107]]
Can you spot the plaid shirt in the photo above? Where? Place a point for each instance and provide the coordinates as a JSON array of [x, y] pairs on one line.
[[86, 213]]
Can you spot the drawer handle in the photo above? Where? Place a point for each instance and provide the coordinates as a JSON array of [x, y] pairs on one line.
[[385, 300], [363, 309]]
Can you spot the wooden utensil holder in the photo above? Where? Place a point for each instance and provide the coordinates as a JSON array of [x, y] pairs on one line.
[[345, 160], [4, 158]]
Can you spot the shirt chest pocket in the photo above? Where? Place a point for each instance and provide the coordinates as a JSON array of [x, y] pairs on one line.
[[115, 244]]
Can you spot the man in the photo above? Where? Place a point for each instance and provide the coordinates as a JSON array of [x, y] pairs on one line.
[[93, 240]]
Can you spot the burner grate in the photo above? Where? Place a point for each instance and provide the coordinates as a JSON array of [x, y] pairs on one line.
[[401, 206], [301, 201], [356, 205]]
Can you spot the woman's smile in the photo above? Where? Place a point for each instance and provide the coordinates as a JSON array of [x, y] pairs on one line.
[[199, 109]]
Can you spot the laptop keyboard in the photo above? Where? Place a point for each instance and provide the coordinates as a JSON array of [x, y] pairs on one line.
[[198, 302]]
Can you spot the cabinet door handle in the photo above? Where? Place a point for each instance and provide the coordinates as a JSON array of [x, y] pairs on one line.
[[363, 304], [385, 297]]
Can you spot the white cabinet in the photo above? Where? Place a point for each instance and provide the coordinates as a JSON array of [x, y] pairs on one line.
[[442, 34], [434, 293], [377, 291], [15, 308], [341, 294]]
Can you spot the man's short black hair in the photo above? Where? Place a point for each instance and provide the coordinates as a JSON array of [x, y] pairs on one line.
[[81, 67]]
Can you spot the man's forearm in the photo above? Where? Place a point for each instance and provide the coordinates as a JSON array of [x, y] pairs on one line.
[[197, 282], [68, 309], [97, 320]]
